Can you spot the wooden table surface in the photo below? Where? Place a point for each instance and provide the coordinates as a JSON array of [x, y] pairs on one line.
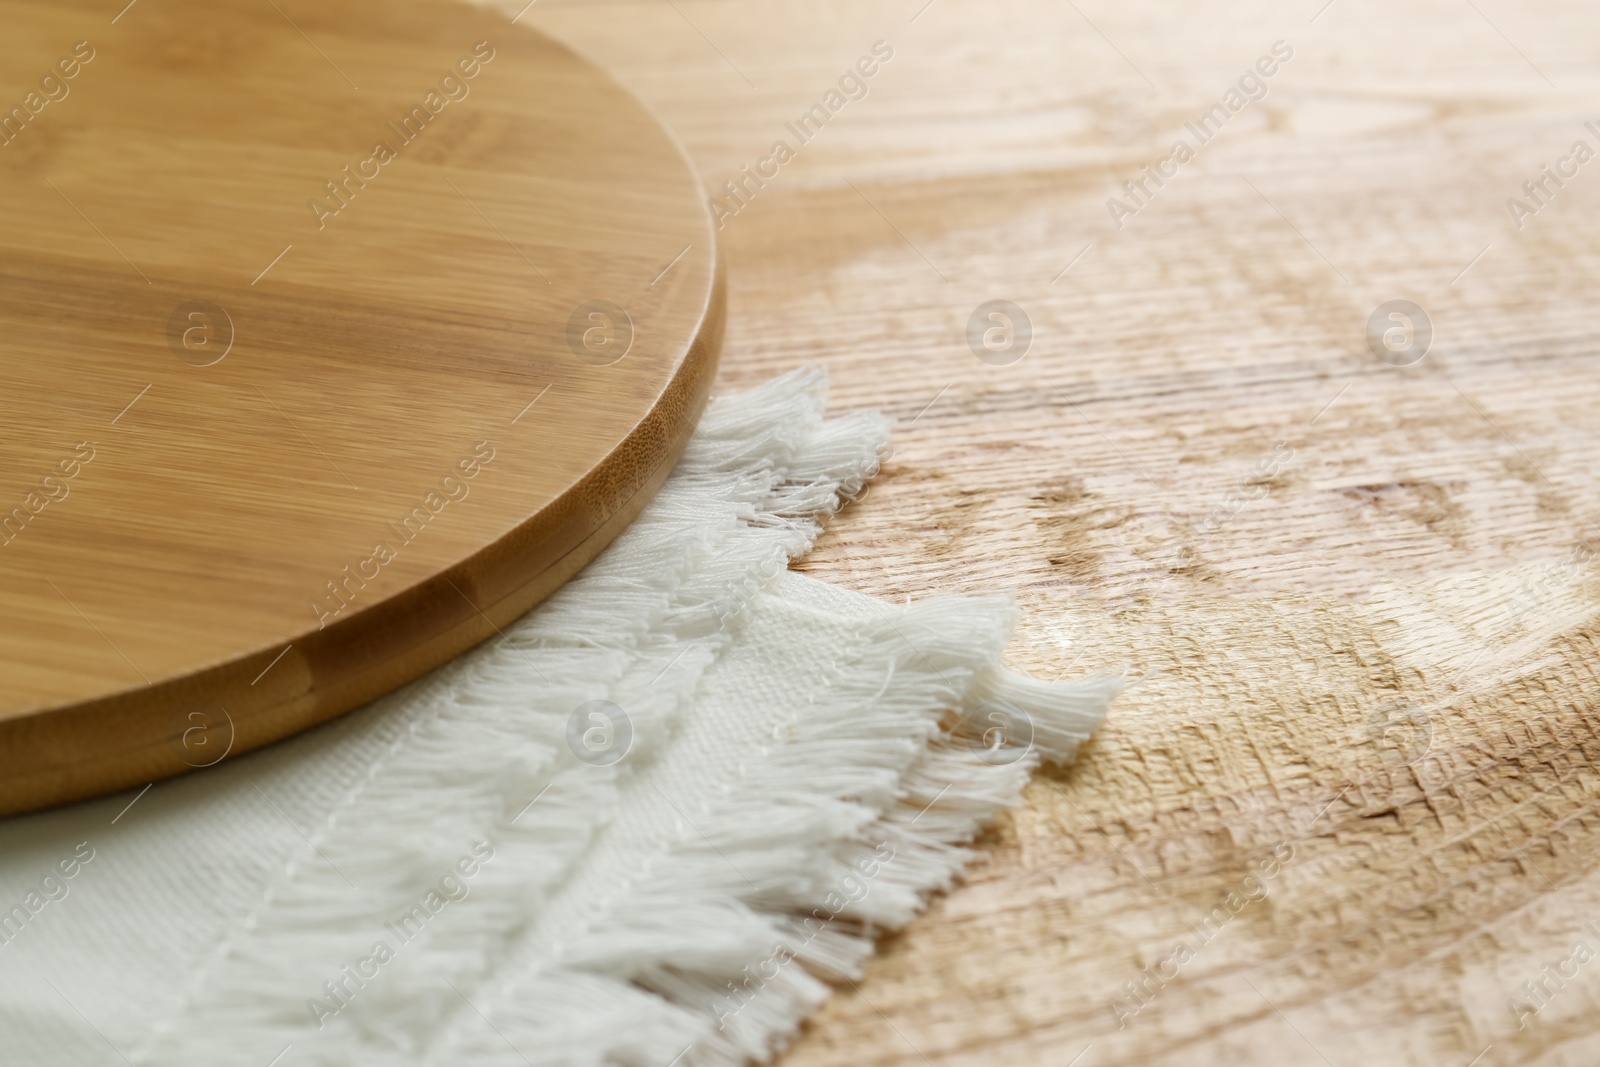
[[1355, 598]]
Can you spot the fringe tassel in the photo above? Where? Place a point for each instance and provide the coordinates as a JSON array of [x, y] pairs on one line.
[[716, 953]]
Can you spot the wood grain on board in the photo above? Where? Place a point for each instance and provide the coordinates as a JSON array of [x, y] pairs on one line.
[[1354, 599], [332, 337]]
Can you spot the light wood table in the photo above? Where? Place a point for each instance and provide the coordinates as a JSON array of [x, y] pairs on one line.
[[1355, 597]]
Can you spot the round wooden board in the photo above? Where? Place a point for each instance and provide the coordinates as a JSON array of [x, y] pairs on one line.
[[264, 460]]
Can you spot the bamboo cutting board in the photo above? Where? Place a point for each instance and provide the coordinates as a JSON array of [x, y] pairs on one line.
[[332, 338]]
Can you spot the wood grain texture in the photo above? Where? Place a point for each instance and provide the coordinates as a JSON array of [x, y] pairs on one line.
[[1383, 659], [299, 398]]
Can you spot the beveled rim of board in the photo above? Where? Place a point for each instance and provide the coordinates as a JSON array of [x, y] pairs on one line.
[[55, 755]]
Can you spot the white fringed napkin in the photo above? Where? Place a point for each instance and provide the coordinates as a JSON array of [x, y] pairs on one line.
[[644, 827]]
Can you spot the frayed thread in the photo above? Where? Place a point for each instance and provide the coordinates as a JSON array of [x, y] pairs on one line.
[[716, 945]]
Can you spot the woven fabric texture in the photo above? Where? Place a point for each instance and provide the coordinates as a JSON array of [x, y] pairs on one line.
[[647, 825]]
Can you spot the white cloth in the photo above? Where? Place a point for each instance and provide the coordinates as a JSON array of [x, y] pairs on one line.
[[640, 828]]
